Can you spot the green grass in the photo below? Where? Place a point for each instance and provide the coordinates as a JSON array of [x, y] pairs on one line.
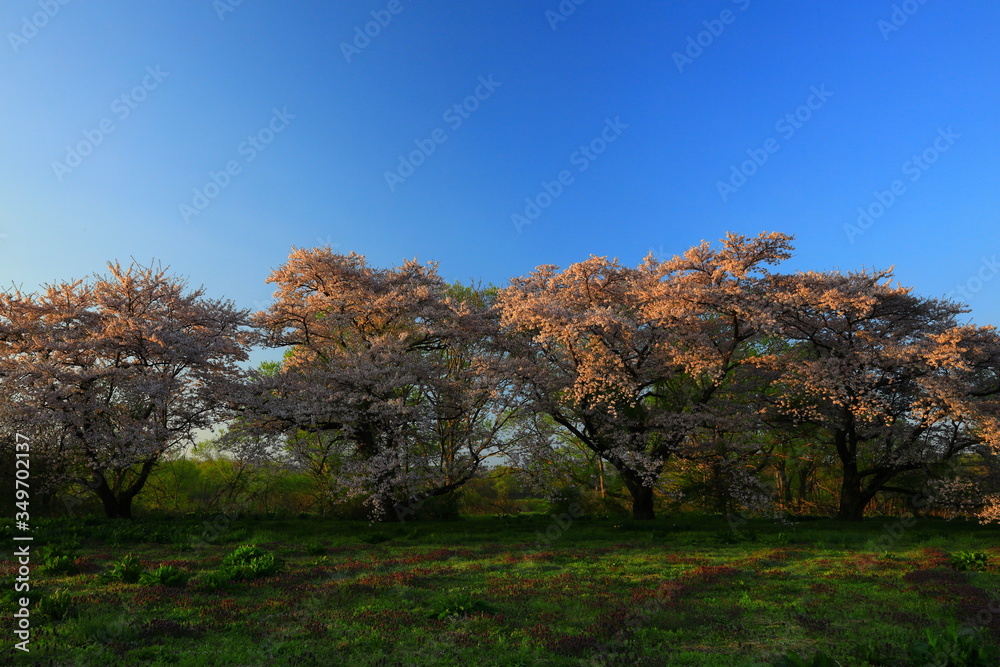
[[504, 591]]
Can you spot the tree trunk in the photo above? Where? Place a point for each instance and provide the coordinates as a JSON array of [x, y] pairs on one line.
[[852, 500], [115, 507], [387, 511], [804, 472], [784, 486], [642, 499], [119, 506]]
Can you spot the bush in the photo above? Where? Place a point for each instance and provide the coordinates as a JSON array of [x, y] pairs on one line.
[[58, 560], [250, 562], [127, 570], [57, 606], [458, 607], [970, 560], [165, 575], [952, 647], [213, 581]]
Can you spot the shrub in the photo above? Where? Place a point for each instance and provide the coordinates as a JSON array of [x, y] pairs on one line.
[[969, 560], [127, 570], [250, 562], [165, 575], [56, 606], [57, 560], [952, 647], [243, 554], [458, 607], [59, 565], [213, 581]]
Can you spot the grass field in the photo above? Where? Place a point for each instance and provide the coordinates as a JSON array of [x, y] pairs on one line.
[[525, 590]]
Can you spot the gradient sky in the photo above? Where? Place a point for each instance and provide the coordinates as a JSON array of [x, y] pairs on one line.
[[916, 81]]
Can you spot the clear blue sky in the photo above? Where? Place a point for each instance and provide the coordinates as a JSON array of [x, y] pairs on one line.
[[889, 91]]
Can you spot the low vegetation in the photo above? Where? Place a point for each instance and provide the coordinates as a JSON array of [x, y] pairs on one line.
[[683, 590]]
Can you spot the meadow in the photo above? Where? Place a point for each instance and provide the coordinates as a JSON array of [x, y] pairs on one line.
[[511, 590]]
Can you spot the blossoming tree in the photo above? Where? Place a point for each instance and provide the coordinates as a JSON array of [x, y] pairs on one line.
[[635, 362], [890, 379], [107, 375], [409, 374]]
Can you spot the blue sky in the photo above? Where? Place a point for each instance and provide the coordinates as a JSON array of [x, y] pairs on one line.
[[622, 121]]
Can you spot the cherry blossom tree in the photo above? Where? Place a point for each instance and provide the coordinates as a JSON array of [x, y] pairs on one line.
[[970, 355], [107, 375], [634, 362], [890, 380], [406, 373]]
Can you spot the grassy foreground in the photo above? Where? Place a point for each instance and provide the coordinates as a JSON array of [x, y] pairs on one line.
[[526, 590]]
